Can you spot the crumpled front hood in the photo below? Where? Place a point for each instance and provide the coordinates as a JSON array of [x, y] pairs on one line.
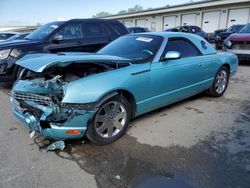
[[40, 62], [240, 37]]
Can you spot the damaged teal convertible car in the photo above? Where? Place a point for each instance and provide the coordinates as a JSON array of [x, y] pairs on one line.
[[71, 95]]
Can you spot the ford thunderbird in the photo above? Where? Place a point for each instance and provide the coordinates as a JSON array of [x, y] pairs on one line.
[[71, 95]]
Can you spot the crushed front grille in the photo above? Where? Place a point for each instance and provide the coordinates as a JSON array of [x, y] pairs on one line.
[[40, 99]]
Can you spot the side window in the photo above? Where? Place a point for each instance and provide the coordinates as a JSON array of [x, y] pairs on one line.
[[95, 30], [71, 31], [185, 48], [119, 28]]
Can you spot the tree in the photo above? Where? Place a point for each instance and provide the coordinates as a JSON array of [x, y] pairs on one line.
[[136, 8], [102, 14], [122, 12]]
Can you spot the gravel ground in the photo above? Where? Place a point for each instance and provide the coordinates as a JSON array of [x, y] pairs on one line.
[[199, 142]]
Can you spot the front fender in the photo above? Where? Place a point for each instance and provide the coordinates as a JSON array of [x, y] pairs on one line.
[[93, 88]]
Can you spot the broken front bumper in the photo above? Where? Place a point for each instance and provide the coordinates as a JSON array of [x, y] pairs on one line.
[[77, 120]]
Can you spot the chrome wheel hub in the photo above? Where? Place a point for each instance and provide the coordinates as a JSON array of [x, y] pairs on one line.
[[221, 81], [110, 119]]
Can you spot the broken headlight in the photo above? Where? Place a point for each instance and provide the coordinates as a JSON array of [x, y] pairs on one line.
[[15, 53], [87, 107], [228, 43], [4, 53]]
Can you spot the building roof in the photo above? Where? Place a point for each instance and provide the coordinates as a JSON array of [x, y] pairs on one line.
[[185, 6]]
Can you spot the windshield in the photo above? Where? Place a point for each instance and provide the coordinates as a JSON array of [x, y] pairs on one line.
[[17, 37], [138, 48], [13, 37], [245, 29], [234, 28], [43, 31]]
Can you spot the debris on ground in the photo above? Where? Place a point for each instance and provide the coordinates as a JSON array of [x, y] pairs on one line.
[[118, 177], [32, 134], [60, 145], [12, 128]]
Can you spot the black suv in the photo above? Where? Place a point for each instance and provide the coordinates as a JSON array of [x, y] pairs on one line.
[[78, 35]]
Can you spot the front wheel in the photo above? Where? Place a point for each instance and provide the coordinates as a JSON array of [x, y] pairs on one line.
[[110, 122], [220, 83]]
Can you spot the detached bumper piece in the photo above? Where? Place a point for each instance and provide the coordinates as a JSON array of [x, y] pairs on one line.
[[40, 114]]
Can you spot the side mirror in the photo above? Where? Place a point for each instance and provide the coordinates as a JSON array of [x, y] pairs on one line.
[[57, 38], [172, 55]]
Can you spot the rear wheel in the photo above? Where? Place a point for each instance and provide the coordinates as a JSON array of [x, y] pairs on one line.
[[110, 122], [220, 82]]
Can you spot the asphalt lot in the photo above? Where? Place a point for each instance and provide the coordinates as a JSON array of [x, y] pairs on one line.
[[199, 142]]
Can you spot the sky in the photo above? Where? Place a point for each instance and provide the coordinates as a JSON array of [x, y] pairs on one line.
[[31, 12]]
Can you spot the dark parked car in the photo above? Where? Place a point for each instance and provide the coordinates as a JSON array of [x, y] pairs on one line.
[[190, 29], [224, 35], [5, 35], [175, 29], [78, 35], [239, 43], [138, 30], [18, 36], [215, 35]]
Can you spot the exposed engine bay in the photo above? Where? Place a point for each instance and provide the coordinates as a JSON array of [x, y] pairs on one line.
[[73, 71]]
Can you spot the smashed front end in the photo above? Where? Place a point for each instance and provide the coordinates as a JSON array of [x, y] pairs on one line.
[[38, 104], [37, 100]]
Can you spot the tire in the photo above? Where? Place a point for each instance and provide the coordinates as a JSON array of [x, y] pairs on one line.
[[220, 83], [114, 112]]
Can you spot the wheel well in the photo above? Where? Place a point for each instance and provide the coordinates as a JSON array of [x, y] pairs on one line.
[[227, 66], [131, 99], [129, 96]]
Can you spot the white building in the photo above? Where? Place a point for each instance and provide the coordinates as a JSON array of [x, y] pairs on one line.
[[20, 29], [210, 15]]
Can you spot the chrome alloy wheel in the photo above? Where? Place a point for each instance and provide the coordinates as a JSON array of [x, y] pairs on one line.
[[221, 81], [110, 119]]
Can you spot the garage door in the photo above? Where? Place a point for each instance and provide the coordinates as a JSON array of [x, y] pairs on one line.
[[141, 23], [128, 23], [238, 16], [188, 19], [169, 22], [211, 21]]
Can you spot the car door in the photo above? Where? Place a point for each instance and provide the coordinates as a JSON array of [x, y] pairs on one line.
[[97, 35], [173, 80], [68, 39]]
